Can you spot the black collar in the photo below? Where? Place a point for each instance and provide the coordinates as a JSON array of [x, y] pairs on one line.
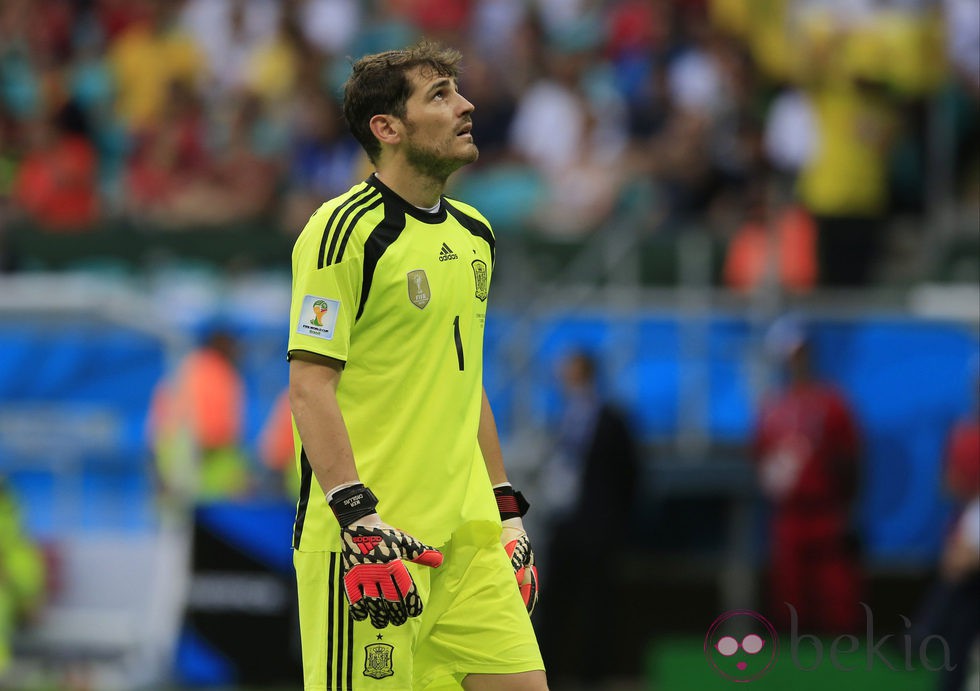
[[392, 199]]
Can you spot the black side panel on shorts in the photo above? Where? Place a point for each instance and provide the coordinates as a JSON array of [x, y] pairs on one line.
[[306, 480], [340, 648]]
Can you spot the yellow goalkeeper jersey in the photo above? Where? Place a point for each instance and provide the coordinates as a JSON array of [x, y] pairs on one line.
[[400, 295]]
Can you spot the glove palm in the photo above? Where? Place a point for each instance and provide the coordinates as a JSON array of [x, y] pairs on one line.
[[518, 547]]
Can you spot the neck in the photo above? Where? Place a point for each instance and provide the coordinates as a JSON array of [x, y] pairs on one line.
[[416, 188]]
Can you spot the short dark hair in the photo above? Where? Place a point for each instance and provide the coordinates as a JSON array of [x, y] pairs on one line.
[[379, 84]]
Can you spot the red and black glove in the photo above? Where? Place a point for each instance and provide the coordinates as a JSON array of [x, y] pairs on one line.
[[376, 581], [512, 506]]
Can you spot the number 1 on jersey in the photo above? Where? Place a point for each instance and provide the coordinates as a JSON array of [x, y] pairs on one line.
[[459, 342]]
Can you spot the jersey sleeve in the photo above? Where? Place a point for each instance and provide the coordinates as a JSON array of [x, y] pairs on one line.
[[324, 297]]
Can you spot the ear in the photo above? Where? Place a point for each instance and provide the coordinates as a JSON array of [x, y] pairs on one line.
[[386, 128]]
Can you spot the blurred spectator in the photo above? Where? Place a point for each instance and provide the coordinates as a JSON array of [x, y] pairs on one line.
[[587, 488], [963, 43], [775, 246], [957, 619], [273, 68], [790, 136], [228, 31], [147, 58], [950, 607], [22, 575], [569, 93], [324, 159], [695, 77], [440, 19], [9, 259], [496, 26], [116, 16], [168, 159], [580, 160], [10, 154], [56, 184], [590, 108], [807, 451], [241, 182], [331, 25], [195, 425], [484, 83], [583, 193], [844, 184], [92, 86], [960, 100], [638, 29]]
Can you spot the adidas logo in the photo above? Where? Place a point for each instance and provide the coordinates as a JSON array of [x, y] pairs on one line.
[[446, 254]]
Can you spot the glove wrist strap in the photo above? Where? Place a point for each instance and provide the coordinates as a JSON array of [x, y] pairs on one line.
[[353, 503], [511, 504]]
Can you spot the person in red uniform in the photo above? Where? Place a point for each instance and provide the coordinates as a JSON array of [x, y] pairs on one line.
[[807, 451]]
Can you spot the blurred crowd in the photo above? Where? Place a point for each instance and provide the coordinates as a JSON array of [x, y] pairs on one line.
[[815, 118]]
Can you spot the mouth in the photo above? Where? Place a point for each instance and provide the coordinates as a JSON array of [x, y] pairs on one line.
[[465, 130]]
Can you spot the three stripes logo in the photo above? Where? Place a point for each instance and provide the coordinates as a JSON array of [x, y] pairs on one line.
[[446, 254]]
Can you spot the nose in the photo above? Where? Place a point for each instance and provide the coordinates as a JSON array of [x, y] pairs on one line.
[[465, 107]]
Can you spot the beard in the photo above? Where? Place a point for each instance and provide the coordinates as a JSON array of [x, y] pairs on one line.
[[434, 161]]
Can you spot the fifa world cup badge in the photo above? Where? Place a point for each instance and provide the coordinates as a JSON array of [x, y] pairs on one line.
[[418, 288], [377, 660], [480, 279]]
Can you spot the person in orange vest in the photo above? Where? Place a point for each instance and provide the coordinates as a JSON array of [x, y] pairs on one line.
[[776, 245], [196, 424], [276, 450]]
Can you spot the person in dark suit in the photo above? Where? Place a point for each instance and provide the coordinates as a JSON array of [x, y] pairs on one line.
[[589, 483]]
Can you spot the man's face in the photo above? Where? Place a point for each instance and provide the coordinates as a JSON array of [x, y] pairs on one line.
[[437, 122]]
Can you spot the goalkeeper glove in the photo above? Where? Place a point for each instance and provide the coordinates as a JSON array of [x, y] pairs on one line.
[[512, 506], [376, 581]]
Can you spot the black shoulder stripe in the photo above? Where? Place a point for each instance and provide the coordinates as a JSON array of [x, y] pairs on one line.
[[305, 482], [475, 226], [352, 225], [329, 226], [343, 222], [375, 246]]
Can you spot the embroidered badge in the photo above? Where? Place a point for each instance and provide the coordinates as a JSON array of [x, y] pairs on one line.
[[318, 317], [480, 278], [418, 288], [378, 660]]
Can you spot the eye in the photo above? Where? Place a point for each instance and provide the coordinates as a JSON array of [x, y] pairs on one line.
[[752, 644], [727, 646]]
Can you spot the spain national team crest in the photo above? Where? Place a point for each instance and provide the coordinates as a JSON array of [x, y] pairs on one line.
[[480, 278], [377, 660], [418, 288]]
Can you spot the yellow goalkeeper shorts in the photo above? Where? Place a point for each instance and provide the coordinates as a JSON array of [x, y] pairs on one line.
[[473, 622]]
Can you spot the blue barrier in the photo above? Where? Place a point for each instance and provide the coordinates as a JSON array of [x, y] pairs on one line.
[[77, 394]]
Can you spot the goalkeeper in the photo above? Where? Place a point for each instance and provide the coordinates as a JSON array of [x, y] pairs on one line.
[[413, 567]]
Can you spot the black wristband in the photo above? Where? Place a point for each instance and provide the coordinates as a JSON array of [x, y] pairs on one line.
[[511, 504], [351, 503]]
